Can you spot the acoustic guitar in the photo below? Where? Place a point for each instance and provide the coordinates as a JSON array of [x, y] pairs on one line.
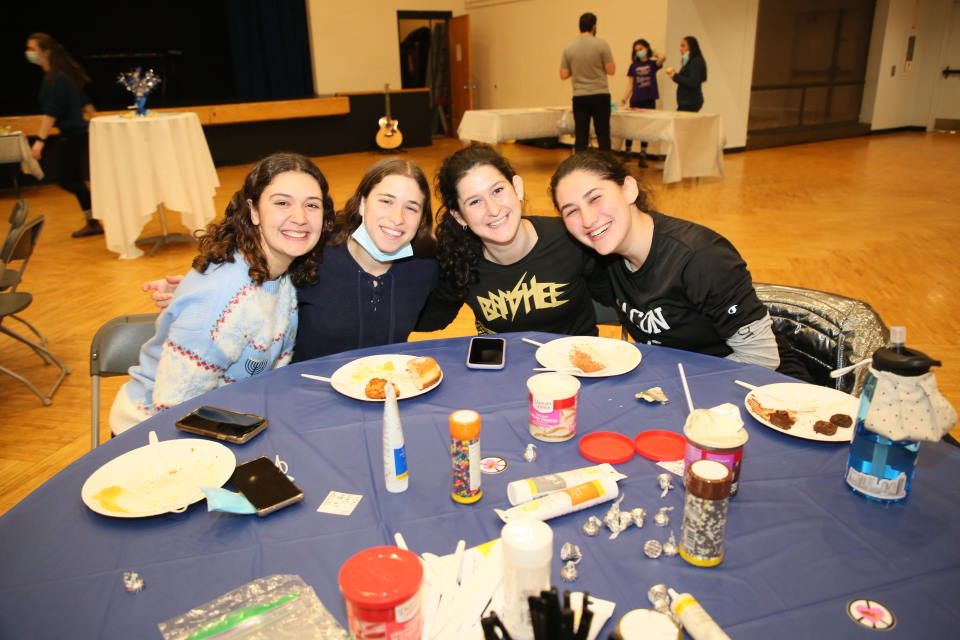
[[389, 136]]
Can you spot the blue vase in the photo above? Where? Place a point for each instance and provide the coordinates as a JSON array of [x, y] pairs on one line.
[[142, 106]]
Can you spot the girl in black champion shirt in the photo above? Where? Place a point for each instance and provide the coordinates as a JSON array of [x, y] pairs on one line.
[[674, 282]]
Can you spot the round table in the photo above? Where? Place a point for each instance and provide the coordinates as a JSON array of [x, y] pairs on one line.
[[799, 545]]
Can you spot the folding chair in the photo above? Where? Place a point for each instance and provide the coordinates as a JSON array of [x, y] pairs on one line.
[[15, 302], [114, 349], [23, 241], [17, 218]]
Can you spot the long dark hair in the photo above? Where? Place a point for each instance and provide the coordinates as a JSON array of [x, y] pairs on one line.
[[695, 52], [634, 46], [349, 218], [60, 60], [237, 233], [458, 248], [602, 164]]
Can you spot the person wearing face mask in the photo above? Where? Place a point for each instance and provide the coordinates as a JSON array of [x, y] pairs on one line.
[[235, 314], [64, 105], [515, 272], [377, 271], [642, 91], [692, 75]]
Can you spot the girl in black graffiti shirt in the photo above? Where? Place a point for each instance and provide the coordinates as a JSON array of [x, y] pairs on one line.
[[516, 273]]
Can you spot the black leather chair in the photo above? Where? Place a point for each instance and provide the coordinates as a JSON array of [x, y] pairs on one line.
[[826, 330]]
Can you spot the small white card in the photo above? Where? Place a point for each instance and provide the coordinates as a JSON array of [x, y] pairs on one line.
[[339, 504], [673, 466]]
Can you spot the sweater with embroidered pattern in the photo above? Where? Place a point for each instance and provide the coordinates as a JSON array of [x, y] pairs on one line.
[[220, 327]]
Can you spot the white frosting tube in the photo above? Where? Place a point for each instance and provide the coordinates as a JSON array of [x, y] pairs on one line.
[[520, 491], [564, 501]]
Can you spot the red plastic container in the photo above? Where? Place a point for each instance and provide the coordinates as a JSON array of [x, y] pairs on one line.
[[381, 587]]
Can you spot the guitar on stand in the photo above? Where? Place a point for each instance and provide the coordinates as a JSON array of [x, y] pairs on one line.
[[389, 136]]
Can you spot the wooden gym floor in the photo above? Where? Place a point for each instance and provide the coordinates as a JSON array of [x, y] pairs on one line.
[[872, 217]]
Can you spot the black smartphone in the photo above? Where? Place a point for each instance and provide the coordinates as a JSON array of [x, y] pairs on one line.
[[487, 353], [222, 424], [265, 486]]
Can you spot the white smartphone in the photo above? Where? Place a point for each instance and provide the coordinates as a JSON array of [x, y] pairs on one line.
[[487, 353]]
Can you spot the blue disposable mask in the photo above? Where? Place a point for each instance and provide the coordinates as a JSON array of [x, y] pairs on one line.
[[32, 57], [641, 54], [685, 58], [362, 236]]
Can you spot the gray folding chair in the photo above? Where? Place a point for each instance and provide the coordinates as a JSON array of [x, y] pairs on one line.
[[10, 278], [20, 249], [15, 302], [114, 349]]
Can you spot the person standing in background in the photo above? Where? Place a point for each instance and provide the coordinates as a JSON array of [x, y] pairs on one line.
[[692, 75], [64, 105], [588, 61], [642, 91]]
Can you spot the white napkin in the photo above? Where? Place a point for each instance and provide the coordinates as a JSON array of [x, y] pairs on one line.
[[909, 408]]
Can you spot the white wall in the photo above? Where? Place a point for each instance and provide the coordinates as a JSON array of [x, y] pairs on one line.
[[355, 44], [893, 96], [726, 32], [517, 46]]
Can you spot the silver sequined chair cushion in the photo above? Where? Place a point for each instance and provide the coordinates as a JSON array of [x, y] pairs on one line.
[[826, 330]]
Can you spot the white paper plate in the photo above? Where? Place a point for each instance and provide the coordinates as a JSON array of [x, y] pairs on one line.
[[156, 479], [816, 403], [620, 356], [351, 379]]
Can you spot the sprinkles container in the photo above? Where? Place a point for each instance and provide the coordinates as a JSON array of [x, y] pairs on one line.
[[705, 513], [465, 456]]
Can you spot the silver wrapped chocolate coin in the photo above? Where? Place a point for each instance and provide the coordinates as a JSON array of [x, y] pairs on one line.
[[638, 515], [132, 581], [653, 394], [530, 453], [592, 526], [570, 551], [569, 572], [652, 548], [662, 519], [670, 546], [665, 482]]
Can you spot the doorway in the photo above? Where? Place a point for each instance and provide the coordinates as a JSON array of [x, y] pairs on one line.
[[425, 61]]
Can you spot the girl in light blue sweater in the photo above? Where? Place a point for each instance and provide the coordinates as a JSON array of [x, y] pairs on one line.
[[235, 314]]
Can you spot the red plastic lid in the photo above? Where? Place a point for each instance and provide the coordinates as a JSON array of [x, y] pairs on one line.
[[658, 444], [380, 577], [606, 446]]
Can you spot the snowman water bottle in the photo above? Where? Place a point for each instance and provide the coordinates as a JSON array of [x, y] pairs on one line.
[[878, 467]]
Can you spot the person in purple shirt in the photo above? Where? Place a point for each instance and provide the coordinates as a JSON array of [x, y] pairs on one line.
[[642, 91]]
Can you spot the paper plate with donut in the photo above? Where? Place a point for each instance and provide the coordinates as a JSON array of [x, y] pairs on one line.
[[595, 357], [365, 378]]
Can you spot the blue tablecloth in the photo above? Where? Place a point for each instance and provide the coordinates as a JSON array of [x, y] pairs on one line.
[[799, 545]]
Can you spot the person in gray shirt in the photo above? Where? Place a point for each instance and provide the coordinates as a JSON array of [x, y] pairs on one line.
[[588, 61]]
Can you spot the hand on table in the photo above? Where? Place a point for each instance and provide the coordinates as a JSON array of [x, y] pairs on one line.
[[163, 290]]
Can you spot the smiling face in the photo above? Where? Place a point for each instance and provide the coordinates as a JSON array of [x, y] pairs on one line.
[[597, 212], [490, 205], [289, 214], [392, 212]]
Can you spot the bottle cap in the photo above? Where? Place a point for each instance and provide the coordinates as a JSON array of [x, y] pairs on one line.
[[527, 544], [380, 578], [709, 479], [464, 424]]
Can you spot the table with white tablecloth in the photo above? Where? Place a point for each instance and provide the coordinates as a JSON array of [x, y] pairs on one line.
[[138, 164], [692, 142], [15, 150]]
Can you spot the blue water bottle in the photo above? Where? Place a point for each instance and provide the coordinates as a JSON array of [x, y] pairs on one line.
[[879, 468]]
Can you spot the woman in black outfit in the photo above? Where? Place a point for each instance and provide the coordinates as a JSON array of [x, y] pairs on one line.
[[691, 76], [64, 105]]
